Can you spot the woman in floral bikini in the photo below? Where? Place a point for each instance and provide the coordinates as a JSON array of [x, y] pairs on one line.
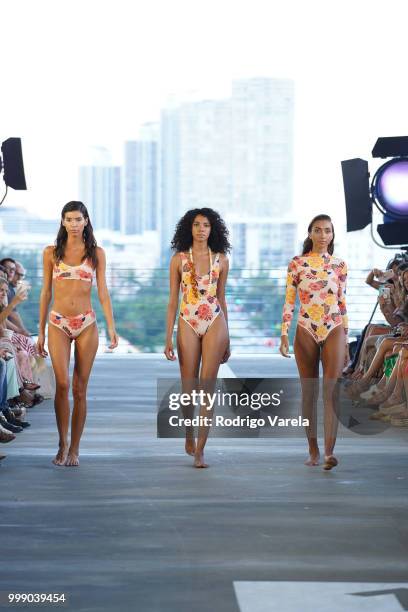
[[71, 284], [319, 278], [200, 269]]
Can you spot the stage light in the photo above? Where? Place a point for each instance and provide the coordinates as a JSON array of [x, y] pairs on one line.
[[388, 191], [390, 187], [12, 164]]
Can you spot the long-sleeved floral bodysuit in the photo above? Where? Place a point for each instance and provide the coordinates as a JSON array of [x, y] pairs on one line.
[[320, 281]]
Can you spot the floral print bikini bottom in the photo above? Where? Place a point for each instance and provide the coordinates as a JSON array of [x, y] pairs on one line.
[[72, 326]]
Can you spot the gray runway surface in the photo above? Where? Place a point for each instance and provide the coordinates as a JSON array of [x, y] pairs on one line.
[[137, 528]]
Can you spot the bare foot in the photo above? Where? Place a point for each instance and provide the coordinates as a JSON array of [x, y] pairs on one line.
[[313, 459], [199, 460], [190, 446], [358, 373], [72, 459], [377, 397], [393, 400], [61, 456], [330, 462]]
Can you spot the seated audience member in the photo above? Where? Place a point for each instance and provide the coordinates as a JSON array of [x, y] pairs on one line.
[[391, 304]]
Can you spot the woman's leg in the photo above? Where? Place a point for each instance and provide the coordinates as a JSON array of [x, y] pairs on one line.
[[3, 384], [214, 344], [12, 380], [307, 355], [397, 395], [376, 364], [333, 354], [363, 384], [189, 355], [6, 343], [86, 345], [372, 330], [24, 366], [59, 346], [405, 379]]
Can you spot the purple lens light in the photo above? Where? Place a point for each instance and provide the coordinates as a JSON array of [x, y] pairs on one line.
[[392, 186]]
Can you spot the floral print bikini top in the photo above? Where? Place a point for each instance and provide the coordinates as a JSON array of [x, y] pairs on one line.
[[82, 272], [320, 281]]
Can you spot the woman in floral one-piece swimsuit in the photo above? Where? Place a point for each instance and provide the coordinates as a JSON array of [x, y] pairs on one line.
[[199, 269], [319, 279]]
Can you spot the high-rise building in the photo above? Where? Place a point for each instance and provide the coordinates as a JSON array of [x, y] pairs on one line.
[[234, 155], [140, 180], [99, 190], [169, 191], [15, 220], [261, 243], [262, 146]]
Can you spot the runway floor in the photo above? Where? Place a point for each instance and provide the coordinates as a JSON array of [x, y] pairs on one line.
[[136, 528]]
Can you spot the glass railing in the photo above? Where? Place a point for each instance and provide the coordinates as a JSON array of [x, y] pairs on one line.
[[254, 300]]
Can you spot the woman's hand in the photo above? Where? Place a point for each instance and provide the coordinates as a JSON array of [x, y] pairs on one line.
[[114, 340], [21, 294], [169, 351], [40, 345], [284, 347], [227, 354]]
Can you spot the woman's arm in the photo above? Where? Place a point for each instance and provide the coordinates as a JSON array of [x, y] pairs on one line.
[[389, 311], [13, 327], [45, 297], [370, 280], [292, 280], [341, 297], [21, 295], [104, 297], [175, 280], [343, 307], [222, 281]]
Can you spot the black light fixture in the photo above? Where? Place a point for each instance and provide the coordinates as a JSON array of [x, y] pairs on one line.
[[11, 163], [388, 191]]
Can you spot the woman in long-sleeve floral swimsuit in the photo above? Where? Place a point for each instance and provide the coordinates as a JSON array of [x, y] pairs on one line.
[[319, 278]]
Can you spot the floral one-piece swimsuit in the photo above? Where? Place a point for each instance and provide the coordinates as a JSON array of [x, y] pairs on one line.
[[199, 305], [320, 281]]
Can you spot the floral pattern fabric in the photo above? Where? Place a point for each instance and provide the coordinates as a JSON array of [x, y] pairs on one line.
[[72, 326], [83, 272], [320, 282], [199, 305]]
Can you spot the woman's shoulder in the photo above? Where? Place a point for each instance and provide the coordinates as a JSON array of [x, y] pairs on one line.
[[48, 252], [177, 259], [178, 255], [296, 261]]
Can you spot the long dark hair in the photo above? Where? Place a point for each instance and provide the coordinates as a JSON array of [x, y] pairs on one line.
[[217, 240], [308, 243], [88, 235]]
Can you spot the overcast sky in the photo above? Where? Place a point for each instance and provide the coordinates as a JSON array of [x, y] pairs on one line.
[[87, 72]]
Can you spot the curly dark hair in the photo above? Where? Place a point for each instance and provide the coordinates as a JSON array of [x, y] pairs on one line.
[[308, 243], [217, 240], [88, 235]]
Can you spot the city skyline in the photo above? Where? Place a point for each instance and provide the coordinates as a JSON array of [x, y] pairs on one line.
[[90, 92]]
